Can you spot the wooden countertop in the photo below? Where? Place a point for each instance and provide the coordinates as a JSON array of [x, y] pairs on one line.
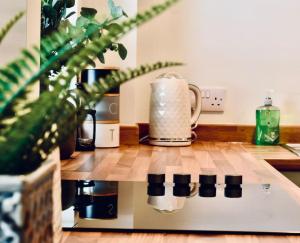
[[133, 163], [279, 157]]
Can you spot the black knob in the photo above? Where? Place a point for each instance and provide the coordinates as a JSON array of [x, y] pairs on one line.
[[233, 186], [233, 180], [181, 191], [233, 192], [207, 185], [182, 179], [156, 190], [156, 178], [209, 191], [207, 179]]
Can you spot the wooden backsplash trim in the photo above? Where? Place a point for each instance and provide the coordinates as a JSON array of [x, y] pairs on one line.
[[233, 133], [129, 134], [225, 133]]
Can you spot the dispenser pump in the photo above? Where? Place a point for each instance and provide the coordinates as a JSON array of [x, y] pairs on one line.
[[268, 99]]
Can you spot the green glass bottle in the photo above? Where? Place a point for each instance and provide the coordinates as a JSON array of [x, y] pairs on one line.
[[267, 124]]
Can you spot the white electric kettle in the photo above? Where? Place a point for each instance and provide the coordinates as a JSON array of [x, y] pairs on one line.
[[171, 118]]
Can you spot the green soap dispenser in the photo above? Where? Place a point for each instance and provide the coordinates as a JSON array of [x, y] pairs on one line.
[[267, 123]]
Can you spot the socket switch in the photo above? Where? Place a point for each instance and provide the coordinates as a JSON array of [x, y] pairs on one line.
[[213, 99]]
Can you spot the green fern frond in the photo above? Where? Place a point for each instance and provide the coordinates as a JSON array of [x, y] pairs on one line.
[[35, 136], [81, 57], [34, 130], [117, 78], [7, 27], [13, 81]]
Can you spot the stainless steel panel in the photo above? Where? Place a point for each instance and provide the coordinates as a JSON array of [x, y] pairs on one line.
[[108, 110], [265, 208]]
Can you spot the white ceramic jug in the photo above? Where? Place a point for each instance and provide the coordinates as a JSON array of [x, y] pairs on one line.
[[171, 117]]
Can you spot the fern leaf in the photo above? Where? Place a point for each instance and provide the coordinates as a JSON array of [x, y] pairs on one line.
[[82, 57], [35, 134], [9, 25], [34, 131]]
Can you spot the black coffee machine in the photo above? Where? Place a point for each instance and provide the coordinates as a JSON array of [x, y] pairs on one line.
[[89, 77]]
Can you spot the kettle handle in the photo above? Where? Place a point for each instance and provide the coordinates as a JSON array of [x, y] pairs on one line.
[[197, 111]]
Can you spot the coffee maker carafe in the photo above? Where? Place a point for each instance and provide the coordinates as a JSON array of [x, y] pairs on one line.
[[82, 143]]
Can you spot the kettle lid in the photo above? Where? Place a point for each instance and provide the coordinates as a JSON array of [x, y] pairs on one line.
[[169, 76]]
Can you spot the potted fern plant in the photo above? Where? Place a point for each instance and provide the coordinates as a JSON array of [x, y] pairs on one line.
[[29, 129]]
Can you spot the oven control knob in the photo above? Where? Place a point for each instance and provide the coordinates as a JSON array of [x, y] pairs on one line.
[[181, 191], [207, 179], [233, 180], [156, 178], [156, 190], [207, 185], [233, 187], [182, 179], [233, 192], [209, 191]]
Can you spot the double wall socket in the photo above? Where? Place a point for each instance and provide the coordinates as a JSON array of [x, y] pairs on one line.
[[213, 99]]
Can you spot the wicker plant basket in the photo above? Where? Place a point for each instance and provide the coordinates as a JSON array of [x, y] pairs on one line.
[[26, 206]]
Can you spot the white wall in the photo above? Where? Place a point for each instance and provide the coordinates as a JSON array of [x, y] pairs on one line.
[[33, 17], [16, 38], [25, 33], [246, 46]]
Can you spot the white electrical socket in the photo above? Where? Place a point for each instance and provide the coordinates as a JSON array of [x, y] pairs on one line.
[[213, 99]]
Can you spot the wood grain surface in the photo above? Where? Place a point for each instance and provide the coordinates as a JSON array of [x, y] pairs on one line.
[[279, 157], [129, 134], [132, 163], [92, 237]]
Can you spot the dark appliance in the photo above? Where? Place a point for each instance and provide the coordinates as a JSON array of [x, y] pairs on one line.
[[107, 110]]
